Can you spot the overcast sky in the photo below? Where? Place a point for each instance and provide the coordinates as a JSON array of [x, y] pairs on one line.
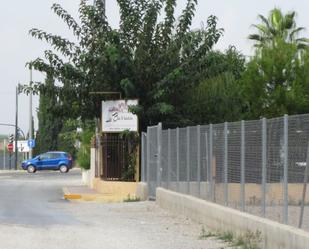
[[17, 47]]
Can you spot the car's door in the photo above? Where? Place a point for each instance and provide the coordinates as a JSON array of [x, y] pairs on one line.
[[55, 160], [45, 161]]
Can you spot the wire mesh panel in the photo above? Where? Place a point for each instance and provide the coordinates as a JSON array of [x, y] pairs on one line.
[[204, 147], [164, 159], [173, 158], [298, 138], [194, 185], [275, 165], [253, 166], [233, 162], [183, 160], [217, 163]]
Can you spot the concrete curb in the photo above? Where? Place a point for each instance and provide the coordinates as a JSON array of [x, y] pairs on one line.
[[69, 196], [5, 171], [87, 197], [224, 219]]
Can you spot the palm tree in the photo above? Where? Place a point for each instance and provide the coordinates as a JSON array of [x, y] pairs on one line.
[[278, 27]]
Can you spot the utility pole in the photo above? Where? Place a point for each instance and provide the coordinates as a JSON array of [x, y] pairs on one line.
[[30, 113], [16, 127]]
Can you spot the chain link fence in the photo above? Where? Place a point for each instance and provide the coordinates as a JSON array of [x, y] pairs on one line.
[[254, 166]]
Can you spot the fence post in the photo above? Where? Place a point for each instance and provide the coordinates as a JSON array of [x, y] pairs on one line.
[[225, 164], [242, 167], [207, 165], [177, 159], [285, 170], [143, 157], [198, 160], [304, 191], [264, 165], [159, 165], [211, 189], [188, 160], [169, 159], [148, 157]]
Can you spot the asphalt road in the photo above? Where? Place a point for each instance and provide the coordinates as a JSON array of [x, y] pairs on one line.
[[32, 199], [33, 215]]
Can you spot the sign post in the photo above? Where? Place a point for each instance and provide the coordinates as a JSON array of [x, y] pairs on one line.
[[10, 147], [31, 143]]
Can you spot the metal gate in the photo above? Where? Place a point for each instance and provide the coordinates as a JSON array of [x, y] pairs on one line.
[[114, 148], [153, 159]]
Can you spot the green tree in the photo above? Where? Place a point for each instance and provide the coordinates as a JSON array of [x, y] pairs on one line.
[[278, 27], [270, 81], [50, 123], [67, 137], [218, 98], [155, 62]]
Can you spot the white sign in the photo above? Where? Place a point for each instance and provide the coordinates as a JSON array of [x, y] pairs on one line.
[[116, 116], [22, 146]]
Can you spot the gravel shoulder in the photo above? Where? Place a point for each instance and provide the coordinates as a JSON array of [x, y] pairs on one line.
[[112, 226]]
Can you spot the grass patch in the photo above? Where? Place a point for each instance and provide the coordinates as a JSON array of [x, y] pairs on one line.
[[206, 234], [249, 240], [132, 199], [226, 237]]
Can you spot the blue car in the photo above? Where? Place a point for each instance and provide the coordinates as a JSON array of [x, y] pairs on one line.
[[54, 160]]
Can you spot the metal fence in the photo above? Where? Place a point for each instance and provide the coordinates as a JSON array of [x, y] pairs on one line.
[[253, 166]]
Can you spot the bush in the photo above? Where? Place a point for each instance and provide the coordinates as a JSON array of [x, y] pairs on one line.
[[83, 156]]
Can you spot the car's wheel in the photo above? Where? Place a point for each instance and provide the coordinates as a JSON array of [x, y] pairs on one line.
[[31, 169], [64, 169]]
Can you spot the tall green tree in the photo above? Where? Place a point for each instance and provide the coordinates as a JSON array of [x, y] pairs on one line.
[[272, 85], [50, 123], [278, 27], [154, 61], [270, 82]]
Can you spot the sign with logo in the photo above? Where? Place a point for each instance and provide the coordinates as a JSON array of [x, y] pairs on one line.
[[116, 116]]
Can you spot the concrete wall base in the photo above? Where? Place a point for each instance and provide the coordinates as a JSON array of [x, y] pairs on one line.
[[86, 177], [223, 219], [119, 190], [142, 191]]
